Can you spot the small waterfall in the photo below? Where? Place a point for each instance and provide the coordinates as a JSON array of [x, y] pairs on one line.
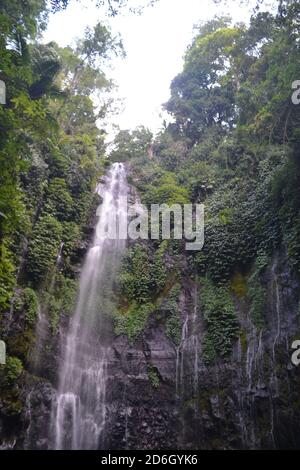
[[79, 414], [274, 387], [126, 412], [251, 354], [240, 394], [276, 295], [41, 334], [189, 344], [180, 357], [195, 341]]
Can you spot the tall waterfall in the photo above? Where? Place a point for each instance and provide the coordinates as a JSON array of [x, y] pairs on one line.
[[78, 416]]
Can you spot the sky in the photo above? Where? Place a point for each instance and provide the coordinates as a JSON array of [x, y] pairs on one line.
[[155, 43]]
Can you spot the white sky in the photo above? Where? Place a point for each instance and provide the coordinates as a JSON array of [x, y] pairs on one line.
[[155, 43]]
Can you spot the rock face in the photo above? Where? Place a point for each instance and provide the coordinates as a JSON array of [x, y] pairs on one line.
[[163, 396], [251, 400]]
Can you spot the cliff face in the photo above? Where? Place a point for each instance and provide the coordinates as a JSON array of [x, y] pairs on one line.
[[163, 396], [248, 401]]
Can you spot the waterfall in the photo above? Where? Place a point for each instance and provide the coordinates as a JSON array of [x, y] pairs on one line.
[[179, 358], [274, 386], [195, 341], [189, 345], [79, 414]]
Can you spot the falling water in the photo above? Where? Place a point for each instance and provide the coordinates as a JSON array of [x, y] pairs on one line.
[[180, 357], [78, 416], [195, 341], [278, 321], [273, 378]]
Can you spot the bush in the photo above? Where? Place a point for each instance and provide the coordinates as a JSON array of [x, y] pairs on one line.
[[132, 322], [30, 305], [166, 191], [7, 278], [13, 369], [220, 319], [59, 201], [44, 246], [153, 376], [143, 274]]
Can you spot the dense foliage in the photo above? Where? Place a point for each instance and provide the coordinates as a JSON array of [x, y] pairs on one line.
[[52, 153], [232, 144]]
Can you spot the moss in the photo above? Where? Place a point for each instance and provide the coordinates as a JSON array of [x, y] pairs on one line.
[[243, 339], [225, 215], [238, 285], [257, 296], [132, 320], [20, 344]]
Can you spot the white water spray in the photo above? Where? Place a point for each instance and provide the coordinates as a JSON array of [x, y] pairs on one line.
[[79, 414]]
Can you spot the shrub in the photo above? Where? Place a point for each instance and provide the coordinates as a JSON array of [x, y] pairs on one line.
[[220, 319], [166, 191], [13, 369], [59, 201], [153, 376], [133, 321], [30, 305], [7, 278], [143, 274], [44, 246]]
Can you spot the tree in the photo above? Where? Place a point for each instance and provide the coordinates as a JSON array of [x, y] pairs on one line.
[[131, 144], [203, 95]]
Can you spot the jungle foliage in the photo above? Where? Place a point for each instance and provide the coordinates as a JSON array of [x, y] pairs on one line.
[[232, 143], [52, 153]]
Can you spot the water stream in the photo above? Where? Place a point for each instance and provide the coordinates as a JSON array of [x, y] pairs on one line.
[[79, 414]]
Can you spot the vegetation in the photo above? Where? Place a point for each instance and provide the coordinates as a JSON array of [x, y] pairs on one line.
[[13, 369], [232, 143], [174, 322], [52, 154], [153, 376], [220, 318], [133, 320]]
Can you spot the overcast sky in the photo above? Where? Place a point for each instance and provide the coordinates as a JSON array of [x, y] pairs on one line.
[[155, 43]]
